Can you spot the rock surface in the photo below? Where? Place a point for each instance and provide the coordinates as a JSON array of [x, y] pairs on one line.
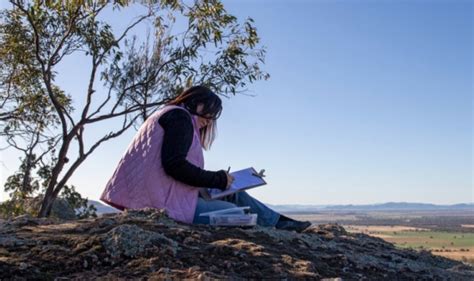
[[146, 244], [61, 208]]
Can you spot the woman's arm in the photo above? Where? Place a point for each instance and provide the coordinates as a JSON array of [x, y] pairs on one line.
[[177, 140]]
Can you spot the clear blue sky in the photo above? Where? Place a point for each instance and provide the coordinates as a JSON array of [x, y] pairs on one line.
[[368, 102]]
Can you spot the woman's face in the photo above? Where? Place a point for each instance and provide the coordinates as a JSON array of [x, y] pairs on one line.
[[202, 122]]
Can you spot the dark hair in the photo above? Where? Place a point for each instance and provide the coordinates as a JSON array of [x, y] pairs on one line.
[[212, 108]]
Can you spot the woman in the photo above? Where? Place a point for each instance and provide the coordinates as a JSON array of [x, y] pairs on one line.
[[163, 166]]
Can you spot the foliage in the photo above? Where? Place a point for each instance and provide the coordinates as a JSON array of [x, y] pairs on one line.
[[39, 118], [24, 193]]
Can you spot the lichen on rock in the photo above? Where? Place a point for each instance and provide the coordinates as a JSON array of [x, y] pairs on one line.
[[147, 244], [133, 241]]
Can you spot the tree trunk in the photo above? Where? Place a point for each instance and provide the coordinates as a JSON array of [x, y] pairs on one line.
[[46, 205], [50, 195], [26, 184]]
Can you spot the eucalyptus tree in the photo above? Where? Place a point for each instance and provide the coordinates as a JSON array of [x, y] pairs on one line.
[[129, 77]]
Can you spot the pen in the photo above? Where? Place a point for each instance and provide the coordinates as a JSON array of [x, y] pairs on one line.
[[228, 170]]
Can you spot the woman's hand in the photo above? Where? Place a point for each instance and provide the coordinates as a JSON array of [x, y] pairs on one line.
[[230, 180]]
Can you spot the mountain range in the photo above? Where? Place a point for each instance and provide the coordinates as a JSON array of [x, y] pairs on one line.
[[389, 206]]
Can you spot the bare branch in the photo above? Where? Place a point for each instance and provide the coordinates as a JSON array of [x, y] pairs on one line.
[[81, 159], [80, 140], [95, 63], [5, 116], [34, 141], [39, 159], [129, 110], [90, 89], [112, 135], [105, 102], [13, 143], [106, 50], [123, 92], [119, 99], [141, 83]]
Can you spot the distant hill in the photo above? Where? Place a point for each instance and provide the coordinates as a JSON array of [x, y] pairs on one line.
[[102, 208], [390, 206]]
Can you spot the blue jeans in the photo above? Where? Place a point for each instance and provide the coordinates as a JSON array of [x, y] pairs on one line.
[[266, 216]]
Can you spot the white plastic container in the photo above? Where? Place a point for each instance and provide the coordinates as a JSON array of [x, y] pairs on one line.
[[230, 211], [232, 217], [228, 220]]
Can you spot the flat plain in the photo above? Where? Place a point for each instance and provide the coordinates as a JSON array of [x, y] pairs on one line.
[[445, 233]]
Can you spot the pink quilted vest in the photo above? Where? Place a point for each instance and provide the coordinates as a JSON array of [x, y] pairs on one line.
[[140, 181]]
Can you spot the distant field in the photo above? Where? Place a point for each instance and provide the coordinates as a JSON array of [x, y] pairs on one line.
[[455, 245], [444, 233], [448, 221]]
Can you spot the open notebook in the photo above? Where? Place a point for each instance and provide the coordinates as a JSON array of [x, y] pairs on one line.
[[243, 179]]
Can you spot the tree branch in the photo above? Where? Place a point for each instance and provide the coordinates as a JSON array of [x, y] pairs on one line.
[[129, 110], [95, 63], [45, 71], [80, 140], [106, 50], [81, 159], [104, 103], [63, 39], [90, 89], [39, 159]]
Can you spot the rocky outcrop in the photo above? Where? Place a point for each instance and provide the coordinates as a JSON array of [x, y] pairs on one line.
[[146, 244], [61, 208], [132, 241]]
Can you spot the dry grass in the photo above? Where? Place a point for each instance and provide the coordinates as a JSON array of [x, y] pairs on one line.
[[457, 246], [383, 228], [458, 255]]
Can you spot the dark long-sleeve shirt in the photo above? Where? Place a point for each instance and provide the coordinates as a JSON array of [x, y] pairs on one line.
[[177, 140]]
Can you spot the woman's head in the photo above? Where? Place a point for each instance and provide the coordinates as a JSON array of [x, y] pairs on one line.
[[206, 105]]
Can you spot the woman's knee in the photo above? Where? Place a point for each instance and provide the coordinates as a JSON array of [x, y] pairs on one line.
[[213, 205], [209, 206], [242, 196]]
